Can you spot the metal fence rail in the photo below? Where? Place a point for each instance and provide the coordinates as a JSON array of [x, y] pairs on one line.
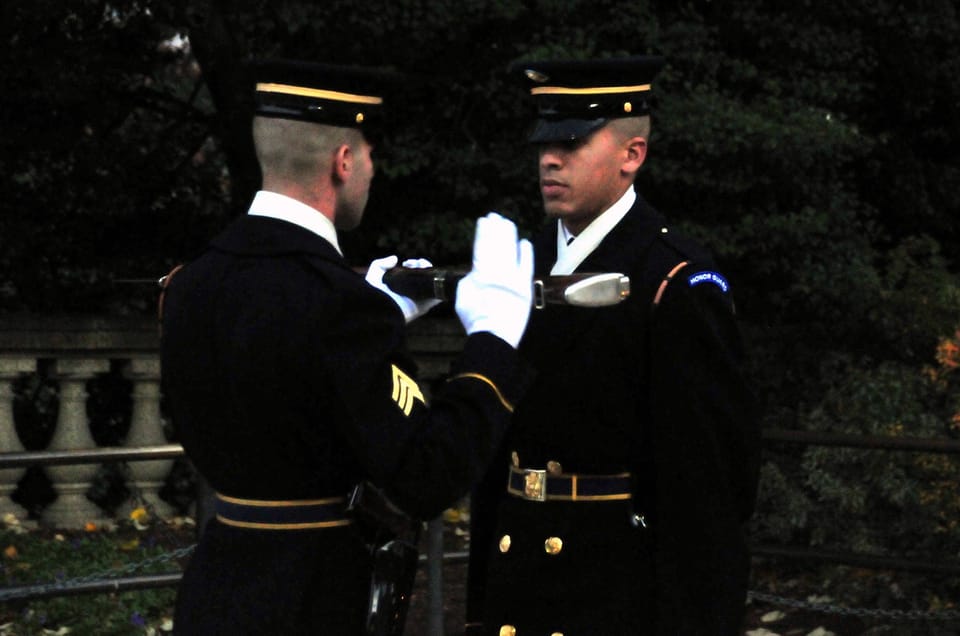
[[435, 556], [878, 442]]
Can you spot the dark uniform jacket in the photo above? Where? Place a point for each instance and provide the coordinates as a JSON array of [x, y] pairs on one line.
[[288, 379], [655, 391]]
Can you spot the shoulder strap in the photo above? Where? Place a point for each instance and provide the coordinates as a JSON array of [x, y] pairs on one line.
[[164, 282]]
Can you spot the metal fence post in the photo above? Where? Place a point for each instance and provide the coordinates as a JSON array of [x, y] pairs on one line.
[[435, 577]]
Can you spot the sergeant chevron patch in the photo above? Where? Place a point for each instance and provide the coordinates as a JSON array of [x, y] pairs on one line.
[[405, 390], [709, 277]]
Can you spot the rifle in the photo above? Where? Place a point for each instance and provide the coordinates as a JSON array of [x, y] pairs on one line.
[[580, 290]]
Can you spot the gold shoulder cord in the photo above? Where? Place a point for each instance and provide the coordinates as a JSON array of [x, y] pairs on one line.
[[488, 382], [666, 281]]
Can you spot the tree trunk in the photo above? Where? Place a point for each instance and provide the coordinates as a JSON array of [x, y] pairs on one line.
[[222, 60]]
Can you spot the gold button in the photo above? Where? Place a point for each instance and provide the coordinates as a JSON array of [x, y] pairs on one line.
[[627, 107], [557, 634], [505, 543], [553, 545], [554, 468], [508, 630], [359, 118], [515, 459]]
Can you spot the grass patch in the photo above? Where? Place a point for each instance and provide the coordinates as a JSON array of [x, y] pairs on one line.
[[50, 556]]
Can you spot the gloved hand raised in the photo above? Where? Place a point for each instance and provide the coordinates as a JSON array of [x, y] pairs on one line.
[[497, 294], [411, 309]]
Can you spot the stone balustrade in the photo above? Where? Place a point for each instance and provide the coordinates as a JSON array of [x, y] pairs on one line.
[[75, 350]]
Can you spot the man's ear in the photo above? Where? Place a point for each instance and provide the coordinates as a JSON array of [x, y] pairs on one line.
[[636, 154], [342, 163]]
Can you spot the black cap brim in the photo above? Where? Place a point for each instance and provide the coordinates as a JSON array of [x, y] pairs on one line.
[[564, 130]]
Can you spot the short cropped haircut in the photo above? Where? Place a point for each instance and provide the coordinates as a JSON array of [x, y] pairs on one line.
[[628, 127], [294, 150]]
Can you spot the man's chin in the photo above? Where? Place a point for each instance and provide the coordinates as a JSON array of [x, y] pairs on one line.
[[552, 209]]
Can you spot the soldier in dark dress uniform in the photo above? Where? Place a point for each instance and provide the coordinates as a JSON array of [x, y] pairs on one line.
[[632, 463], [290, 382]]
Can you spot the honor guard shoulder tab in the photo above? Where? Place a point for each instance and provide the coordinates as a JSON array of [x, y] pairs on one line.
[[686, 259]]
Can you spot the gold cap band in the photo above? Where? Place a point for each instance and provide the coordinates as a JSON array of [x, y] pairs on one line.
[[597, 90], [303, 91]]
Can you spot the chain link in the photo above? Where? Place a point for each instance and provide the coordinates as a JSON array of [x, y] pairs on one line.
[[860, 612], [137, 496], [43, 588]]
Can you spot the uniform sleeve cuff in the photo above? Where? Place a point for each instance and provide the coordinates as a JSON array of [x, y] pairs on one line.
[[493, 358]]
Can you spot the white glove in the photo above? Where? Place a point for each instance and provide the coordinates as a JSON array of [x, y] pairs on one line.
[[497, 294], [411, 309]]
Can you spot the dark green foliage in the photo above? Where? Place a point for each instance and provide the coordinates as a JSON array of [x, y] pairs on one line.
[[36, 406], [109, 406], [812, 146]]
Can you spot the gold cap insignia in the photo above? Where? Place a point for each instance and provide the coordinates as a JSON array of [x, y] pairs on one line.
[[536, 76]]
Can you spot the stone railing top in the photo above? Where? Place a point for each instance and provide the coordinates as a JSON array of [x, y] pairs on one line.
[[77, 335], [32, 333]]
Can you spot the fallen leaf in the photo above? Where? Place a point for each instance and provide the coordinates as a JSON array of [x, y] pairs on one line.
[[771, 617], [821, 632], [761, 632], [126, 546]]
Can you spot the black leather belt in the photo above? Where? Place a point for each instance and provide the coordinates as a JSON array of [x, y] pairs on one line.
[[540, 485], [302, 514]]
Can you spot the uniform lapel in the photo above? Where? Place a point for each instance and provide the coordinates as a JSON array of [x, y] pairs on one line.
[[552, 331], [623, 249]]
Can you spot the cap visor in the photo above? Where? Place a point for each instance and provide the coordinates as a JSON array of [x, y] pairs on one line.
[[546, 131]]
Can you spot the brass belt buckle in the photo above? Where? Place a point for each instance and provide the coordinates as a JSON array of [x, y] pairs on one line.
[[535, 484]]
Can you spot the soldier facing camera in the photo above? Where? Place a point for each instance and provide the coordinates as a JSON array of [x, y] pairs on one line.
[[619, 502]]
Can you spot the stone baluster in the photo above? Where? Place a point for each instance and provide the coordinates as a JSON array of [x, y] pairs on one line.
[[10, 369], [146, 429], [72, 508]]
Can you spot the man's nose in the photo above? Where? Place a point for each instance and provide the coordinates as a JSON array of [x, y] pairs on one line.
[[551, 156]]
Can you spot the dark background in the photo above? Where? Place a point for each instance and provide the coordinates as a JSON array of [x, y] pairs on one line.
[[812, 146]]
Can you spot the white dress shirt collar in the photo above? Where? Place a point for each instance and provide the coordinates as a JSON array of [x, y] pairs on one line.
[[570, 256], [282, 207]]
